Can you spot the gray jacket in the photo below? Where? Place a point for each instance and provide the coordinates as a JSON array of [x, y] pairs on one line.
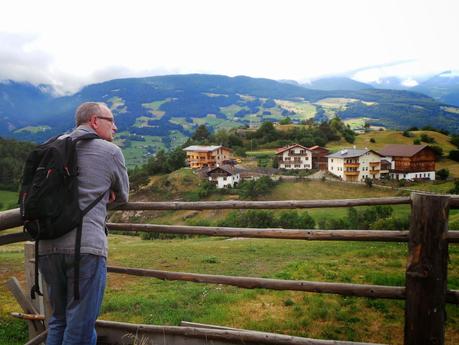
[[101, 167]]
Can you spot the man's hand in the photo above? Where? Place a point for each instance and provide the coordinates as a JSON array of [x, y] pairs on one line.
[[112, 197]]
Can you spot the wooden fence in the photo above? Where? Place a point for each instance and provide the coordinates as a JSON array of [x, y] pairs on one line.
[[425, 290]]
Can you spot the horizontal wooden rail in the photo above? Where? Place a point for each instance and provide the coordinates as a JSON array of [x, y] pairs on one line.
[[288, 234], [291, 234], [10, 219], [15, 237], [283, 204], [345, 289], [273, 284], [236, 336], [192, 329]]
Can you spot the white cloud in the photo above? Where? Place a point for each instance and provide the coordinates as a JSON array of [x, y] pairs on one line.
[[69, 44]]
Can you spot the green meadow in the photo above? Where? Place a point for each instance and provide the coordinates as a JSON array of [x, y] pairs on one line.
[[8, 200]]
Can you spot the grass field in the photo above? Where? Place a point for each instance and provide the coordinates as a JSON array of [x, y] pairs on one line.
[[8, 200], [145, 300], [382, 138]]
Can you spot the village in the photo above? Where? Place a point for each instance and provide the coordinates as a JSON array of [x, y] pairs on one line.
[[218, 164]]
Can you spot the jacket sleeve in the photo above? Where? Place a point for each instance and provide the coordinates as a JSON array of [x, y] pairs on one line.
[[120, 180]]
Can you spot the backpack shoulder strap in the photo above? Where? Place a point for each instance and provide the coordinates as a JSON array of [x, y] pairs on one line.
[[87, 136]]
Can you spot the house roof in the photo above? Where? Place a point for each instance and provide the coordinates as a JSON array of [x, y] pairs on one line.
[[401, 150], [288, 147], [349, 153], [202, 148], [230, 169]]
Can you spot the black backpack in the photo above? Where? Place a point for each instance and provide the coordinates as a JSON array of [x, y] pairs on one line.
[[49, 202]]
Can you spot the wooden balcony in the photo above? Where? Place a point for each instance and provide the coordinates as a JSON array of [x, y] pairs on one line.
[[351, 172], [374, 164], [352, 165]]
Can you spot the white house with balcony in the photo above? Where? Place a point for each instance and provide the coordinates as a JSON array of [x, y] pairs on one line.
[[294, 157], [355, 165]]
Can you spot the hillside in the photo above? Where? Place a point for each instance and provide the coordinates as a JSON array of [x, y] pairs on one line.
[[161, 112]]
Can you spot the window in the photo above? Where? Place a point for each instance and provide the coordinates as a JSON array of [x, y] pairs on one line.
[[297, 165], [287, 165], [224, 178]]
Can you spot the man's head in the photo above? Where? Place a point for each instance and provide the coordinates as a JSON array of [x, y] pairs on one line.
[[97, 116]]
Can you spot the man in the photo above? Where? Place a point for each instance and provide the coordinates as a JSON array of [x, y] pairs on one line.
[[101, 170]]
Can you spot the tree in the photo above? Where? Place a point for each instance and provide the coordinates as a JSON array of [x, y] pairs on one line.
[[201, 133], [438, 151], [285, 121]]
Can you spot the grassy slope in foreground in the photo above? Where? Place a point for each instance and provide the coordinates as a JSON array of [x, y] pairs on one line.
[[8, 199], [146, 300]]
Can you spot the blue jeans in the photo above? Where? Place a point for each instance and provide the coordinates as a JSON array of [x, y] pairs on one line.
[[73, 321]]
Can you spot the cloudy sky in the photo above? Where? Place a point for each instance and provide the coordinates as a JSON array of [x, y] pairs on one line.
[[72, 43]]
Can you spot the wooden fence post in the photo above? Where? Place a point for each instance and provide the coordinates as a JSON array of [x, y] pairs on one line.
[[41, 303], [426, 271]]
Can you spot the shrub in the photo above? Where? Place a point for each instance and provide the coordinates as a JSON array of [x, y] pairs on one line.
[[372, 140], [454, 155], [369, 182], [249, 219], [255, 188], [417, 141], [407, 134], [427, 139], [455, 189], [442, 174], [390, 224], [455, 140], [206, 188], [294, 220]]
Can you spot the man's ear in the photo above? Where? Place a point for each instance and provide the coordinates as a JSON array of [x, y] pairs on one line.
[[93, 122]]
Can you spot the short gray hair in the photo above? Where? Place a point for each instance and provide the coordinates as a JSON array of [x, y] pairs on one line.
[[88, 109]]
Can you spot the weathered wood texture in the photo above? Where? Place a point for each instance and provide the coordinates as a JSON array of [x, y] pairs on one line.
[[39, 339], [426, 271], [424, 160], [32, 317], [274, 284], [35, 327], [10, 219], [124, 333], [289, 204], [14, 238], [361, 290], [292, 234], [41, 303]]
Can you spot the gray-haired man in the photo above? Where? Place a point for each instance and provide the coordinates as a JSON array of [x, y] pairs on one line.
[[101, 168]]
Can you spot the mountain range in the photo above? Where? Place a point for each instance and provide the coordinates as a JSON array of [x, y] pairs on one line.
[[161, 112]]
